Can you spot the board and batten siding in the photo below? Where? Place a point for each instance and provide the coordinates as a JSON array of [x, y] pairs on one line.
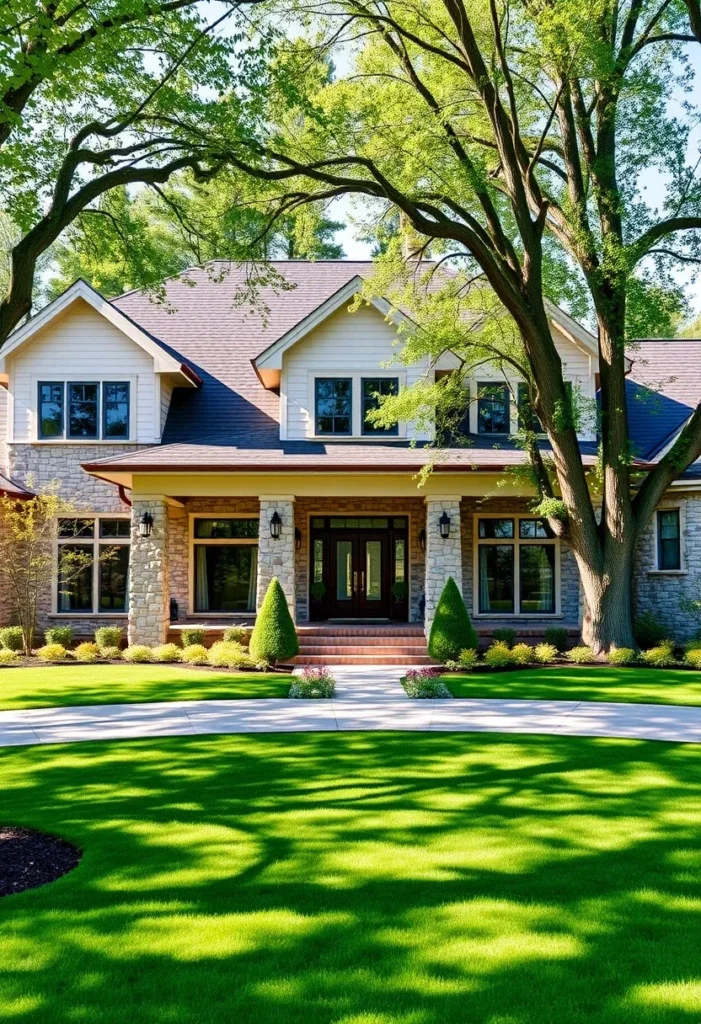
[[82, 346], [361, 343]]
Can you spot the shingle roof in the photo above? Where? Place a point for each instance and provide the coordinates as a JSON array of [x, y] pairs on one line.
[[13, 490], [663, 389]]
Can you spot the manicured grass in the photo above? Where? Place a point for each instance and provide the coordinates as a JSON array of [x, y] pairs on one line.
[[624, 685], [359, 879], [67, 685]]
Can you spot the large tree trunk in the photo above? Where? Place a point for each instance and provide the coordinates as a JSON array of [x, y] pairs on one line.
[[608, 599]]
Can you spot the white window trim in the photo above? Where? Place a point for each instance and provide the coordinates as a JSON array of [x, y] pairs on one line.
[[517, 543], [96, 541], [214, 541], [78, 378], [355, 376], [683, 570]]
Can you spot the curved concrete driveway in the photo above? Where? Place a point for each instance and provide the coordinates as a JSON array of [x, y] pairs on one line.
[[349, 713]]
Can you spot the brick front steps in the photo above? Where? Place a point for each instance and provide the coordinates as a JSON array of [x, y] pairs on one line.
[[332, 644]]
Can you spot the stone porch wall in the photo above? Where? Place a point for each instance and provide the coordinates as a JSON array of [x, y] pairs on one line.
[[415, 508], [661, 592]]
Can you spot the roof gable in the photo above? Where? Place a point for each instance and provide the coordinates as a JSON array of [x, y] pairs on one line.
[[81, 291]]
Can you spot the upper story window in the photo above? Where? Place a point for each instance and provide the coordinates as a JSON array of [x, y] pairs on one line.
[[669, 550], [493, 408], [373, 390], [333, 397], [527, 419], [84, 411]]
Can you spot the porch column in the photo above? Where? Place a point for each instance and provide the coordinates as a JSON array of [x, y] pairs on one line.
[[276, 556], [443, 555], [148, 574]]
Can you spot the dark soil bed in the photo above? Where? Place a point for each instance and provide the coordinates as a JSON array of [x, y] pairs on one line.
[[29, 859]]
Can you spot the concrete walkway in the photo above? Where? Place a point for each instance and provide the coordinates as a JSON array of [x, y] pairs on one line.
[[367, 699]]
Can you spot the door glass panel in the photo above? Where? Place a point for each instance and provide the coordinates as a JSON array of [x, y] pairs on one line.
[[399, 560], [344, 570], [318, 561], [373, 570]]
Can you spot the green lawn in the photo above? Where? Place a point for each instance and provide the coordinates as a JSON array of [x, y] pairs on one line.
[[359, 879], [67, 685], [625, 685]]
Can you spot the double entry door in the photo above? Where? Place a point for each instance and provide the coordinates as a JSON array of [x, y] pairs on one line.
[[360, 575]]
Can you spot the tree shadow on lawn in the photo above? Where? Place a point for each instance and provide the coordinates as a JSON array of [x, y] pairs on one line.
[[359, 879]]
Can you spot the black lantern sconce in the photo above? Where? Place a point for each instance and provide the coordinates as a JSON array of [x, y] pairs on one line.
[[298, 538], [444, 525], [275, 525], [422, 539], [146, 525]]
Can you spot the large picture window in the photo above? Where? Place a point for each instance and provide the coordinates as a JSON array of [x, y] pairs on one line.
[[225, 565], [92, 565], [517, 566], [669, 551], [83, 411]]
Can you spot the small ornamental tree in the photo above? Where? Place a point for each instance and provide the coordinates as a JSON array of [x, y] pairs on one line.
[[27, 566], [451, 629], [274, 637]]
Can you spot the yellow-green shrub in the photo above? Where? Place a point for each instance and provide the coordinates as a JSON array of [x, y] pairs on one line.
[[581, 655], [691, 658], [87, 652], [52, 652], [195, 654], [498, 656], [8, 656], [545, 654], [522, 654], [659, 657], [138, 654], [622, 656], [467, 659], [167, 653], [230, 655], [111, 653]]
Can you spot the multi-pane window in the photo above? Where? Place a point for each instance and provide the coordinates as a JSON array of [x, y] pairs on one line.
[[225, 558], [92, 565], [516, 566], [80, 410], [373, 390], [334, 405], [669, 551], [493, 412]]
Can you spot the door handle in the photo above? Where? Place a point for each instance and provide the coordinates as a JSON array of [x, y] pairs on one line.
[[355, 582], [362, 582]]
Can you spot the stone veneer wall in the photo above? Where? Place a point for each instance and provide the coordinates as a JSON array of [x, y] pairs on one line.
[[148, 575], [276, 556], [661, 592], [37, 466], [179, 540], [569, 574], [443, 554], [415, 508]]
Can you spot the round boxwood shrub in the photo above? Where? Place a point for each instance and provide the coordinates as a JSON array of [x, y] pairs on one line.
[[12, 638], [52, 652], [59, 635], [648, 632], [557, 636], [237, 635], [192, 636], [581, 655], [195, 654], [498, 656], [504, 635], [522, 654], [274, 637], [109, 636], [622, 656], [451, 629], [87, 653], [138, 654], [8, 656], [545, 654], [167, 653], [691, 658]]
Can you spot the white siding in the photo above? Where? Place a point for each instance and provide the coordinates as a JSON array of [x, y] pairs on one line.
[[82, 346], [361, 342]]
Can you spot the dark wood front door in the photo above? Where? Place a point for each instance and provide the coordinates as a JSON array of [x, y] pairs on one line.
[[359, 576]]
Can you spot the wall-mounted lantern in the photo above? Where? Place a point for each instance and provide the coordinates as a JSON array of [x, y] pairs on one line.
[[275, 525], [298, 538], [146, 525], [422, 539], [444, 525]]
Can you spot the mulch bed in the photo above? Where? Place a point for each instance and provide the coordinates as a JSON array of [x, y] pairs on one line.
[[29, 859]]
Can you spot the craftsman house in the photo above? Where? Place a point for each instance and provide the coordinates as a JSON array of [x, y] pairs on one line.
[[212, 446]]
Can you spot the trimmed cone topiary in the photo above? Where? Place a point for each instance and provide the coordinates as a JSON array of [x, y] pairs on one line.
[[274, 637], [451, 629]]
